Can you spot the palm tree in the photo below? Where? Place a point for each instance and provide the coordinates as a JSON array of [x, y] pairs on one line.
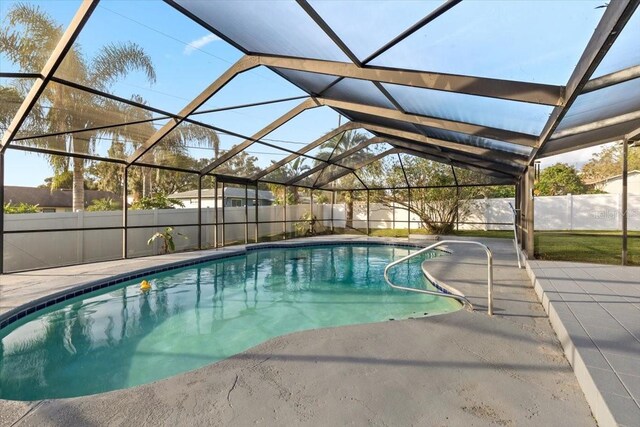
[[295, 168], [171, 150], [11, 97], [27, 38], [10, 100], [285, 173], [339, 144]]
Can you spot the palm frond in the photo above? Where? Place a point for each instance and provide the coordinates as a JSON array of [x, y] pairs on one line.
[[116, 60], [189, 135], [28, 36]]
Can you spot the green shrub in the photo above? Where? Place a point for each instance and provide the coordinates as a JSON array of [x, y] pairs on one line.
[[20, 208]]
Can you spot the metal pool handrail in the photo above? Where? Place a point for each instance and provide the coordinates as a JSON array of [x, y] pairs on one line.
[[442, 294]]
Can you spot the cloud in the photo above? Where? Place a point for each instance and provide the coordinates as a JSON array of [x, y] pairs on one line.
[[199, 43]]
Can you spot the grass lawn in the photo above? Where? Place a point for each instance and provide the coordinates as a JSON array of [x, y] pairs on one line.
[[500, 234], [600, 247]]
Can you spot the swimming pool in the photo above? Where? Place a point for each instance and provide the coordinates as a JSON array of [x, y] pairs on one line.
[[120, 337]]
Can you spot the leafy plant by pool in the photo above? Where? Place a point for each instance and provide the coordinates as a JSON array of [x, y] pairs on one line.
[[122, 337], [168, 244], [307, 224]]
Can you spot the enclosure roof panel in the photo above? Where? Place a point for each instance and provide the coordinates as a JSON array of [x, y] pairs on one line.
[[479, 85], [278, 27]]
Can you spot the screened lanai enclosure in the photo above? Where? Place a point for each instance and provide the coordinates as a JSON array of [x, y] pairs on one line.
[[354, 115]]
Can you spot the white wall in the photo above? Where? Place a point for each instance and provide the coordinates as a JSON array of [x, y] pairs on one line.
[[47, 249]]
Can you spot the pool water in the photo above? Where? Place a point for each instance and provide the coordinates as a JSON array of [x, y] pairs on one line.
[[120, 337]]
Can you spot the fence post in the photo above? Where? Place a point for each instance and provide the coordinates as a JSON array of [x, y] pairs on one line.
[[125, 215], [409, 213], [368, 212], [517, 206], [485, 201], [393, 213], [284, 214], [311, 203], [1, 212], [457, 202], [570, 202], [80, 237], [333, 205], [624, 196], [246, 214], [215, 212], [529, 212], [222, 240], [199, 211], [257, 203]]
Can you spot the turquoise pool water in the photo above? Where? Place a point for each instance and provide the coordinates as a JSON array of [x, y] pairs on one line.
[[120, 337]]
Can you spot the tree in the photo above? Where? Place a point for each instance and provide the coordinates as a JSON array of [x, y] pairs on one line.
[[64, 181], [608, 163], [172, 150], [27, 38], [294, 168], [329, 149], [156, 201], [500, 191], [11, 97], [339, 144], [437, 208], [559, 180], [11, 100], [108, 176], [100, 205], [242, 164]]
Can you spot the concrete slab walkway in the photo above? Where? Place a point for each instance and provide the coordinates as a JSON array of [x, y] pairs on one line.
[[595, 311], [459, 369]]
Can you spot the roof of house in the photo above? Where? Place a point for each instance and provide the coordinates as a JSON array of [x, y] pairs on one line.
[[44, 197], [228, 192], [611, 178]]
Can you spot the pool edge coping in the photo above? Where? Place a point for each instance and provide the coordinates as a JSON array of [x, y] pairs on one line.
[[443, 286]]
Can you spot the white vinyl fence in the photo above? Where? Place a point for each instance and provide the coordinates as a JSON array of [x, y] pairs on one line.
[[23, 251], [584, 212], [32, 250]]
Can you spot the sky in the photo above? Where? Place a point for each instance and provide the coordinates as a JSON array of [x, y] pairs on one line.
[[187, 58], [576, 158]]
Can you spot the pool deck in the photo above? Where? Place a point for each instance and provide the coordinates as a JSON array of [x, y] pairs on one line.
[[595, 311], [459, 369]]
